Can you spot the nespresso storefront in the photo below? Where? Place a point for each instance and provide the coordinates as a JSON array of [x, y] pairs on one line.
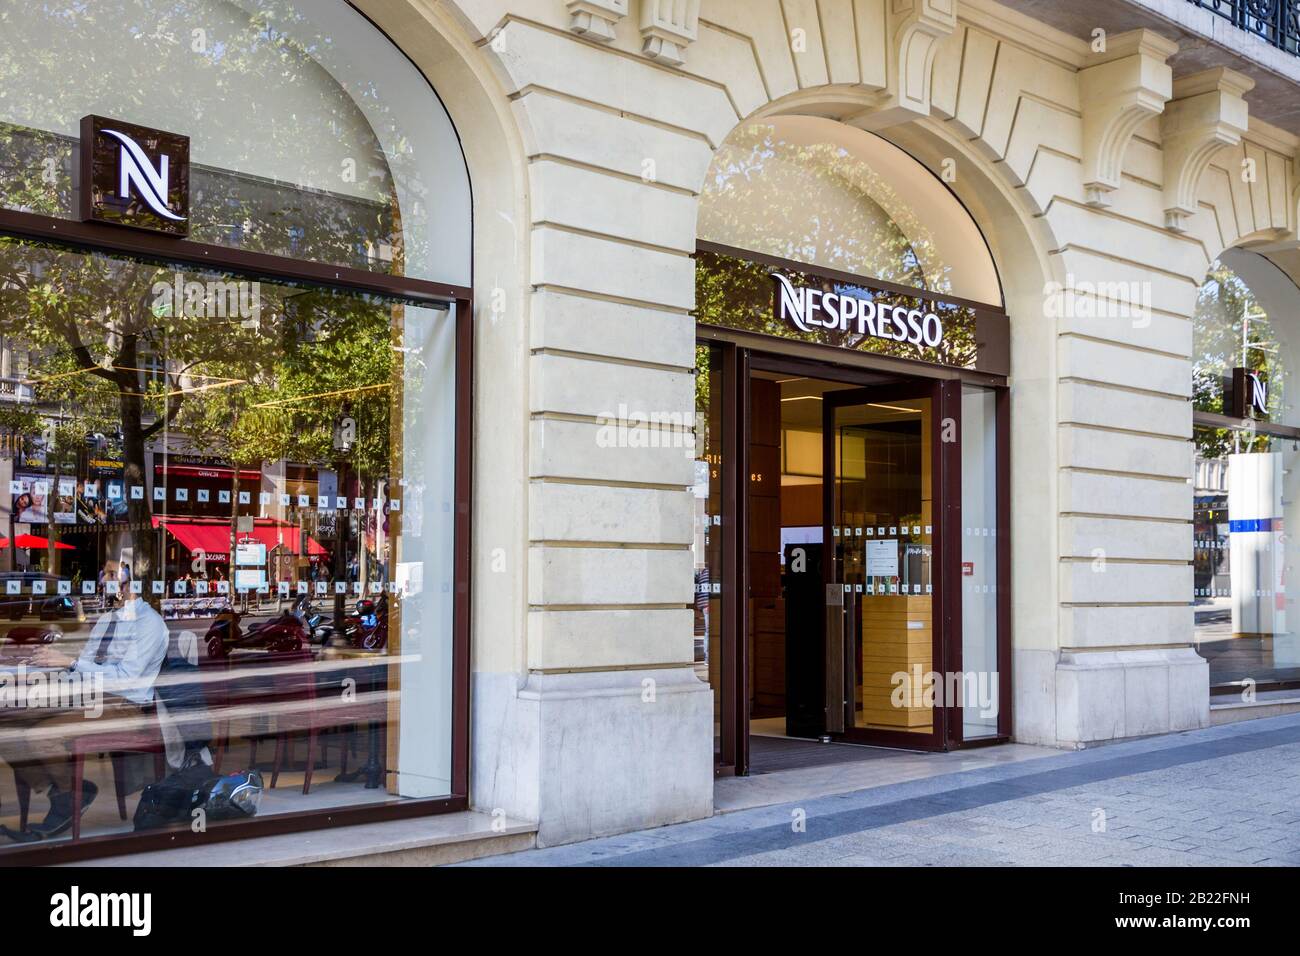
[[234, 316], [852, 478]]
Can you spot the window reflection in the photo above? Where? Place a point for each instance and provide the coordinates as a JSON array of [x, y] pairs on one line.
[[227, 551], [310, 136], [1239, 567], [1244, 488], [811, 190]]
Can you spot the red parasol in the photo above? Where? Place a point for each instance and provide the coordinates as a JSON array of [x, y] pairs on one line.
[[35, 541]]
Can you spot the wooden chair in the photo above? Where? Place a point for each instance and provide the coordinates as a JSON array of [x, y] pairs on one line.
[[331, 716], [117, 743], [218, 694], [324, 716], [24, 800], [290, 687]]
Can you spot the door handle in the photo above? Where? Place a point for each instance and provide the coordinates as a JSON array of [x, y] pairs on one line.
[[850, 668], [834, 658]]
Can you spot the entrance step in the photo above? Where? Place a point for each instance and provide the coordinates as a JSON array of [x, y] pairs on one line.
[[803, 769], [420, 841], [1272, 704]]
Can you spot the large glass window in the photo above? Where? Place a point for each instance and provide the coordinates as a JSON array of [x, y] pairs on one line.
[[310, 136], [818, 192], [1244, 485], [228, 552], [979, 559]]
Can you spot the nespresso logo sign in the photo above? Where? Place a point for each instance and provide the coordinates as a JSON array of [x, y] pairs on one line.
[[1247, 394], [811, 310], [134, 176]]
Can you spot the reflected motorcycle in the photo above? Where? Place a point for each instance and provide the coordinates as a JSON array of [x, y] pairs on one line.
[[319, 626], [283, 634], [365, 627]]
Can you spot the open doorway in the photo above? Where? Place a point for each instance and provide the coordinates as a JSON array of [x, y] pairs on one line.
[[851, 553], [841, 559], [786, 512]]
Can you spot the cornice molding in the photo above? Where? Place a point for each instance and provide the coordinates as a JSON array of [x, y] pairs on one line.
[[1025, 32]]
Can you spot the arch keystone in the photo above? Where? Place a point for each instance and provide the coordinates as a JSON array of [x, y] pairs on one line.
[[915, 29], [668, 27]]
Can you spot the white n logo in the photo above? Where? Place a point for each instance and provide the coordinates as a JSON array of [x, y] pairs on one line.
[[1258, 392], [135, 170], [793, 302]]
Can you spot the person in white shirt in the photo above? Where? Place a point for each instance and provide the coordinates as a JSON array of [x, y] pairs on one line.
[[126, 648]]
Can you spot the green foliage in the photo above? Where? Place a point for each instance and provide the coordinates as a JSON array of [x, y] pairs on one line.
[[114, 350], [818, 203]]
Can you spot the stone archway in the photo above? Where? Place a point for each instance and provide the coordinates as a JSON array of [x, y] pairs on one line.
[[1022, 244]]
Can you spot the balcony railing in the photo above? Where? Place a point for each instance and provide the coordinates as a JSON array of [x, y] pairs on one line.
[[15, 390], [1274, 21]]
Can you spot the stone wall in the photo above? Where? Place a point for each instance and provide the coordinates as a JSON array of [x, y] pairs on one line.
[[589, 127]]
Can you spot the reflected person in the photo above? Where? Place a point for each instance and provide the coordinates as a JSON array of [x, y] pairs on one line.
[[126, 648]]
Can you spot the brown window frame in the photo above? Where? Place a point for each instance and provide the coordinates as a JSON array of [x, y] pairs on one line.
[[106, 239]]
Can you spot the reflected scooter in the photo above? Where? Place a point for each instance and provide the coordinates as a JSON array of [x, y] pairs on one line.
[[283, 634], [367, 626], [364, 628], [318, 625]]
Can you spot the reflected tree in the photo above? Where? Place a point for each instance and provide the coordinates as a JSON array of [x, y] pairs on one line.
[[1230, 330]]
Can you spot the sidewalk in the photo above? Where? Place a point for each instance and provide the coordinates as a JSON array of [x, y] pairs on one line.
[[1226, 795]]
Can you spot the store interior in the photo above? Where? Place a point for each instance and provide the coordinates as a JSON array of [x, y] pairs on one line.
[[881, 465]]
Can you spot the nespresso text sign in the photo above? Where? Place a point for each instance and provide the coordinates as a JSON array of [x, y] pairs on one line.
[[811, 308], [780, 300]]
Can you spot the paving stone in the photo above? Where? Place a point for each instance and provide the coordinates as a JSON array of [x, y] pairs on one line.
[[1221, 796]]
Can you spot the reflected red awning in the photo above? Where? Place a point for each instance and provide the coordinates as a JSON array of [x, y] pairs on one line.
[[286, 536], [35, 541], [213, 539]]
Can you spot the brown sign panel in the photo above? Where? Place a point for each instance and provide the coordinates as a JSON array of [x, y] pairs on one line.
[[1247, 395], [755, 293], [134, 176]]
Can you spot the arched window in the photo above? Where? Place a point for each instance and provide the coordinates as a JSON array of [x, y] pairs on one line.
[[825, 194], [311, 136], [1245, 475], [233, 446]]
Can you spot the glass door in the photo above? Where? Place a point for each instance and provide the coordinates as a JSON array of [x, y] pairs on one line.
[[882, 514]]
